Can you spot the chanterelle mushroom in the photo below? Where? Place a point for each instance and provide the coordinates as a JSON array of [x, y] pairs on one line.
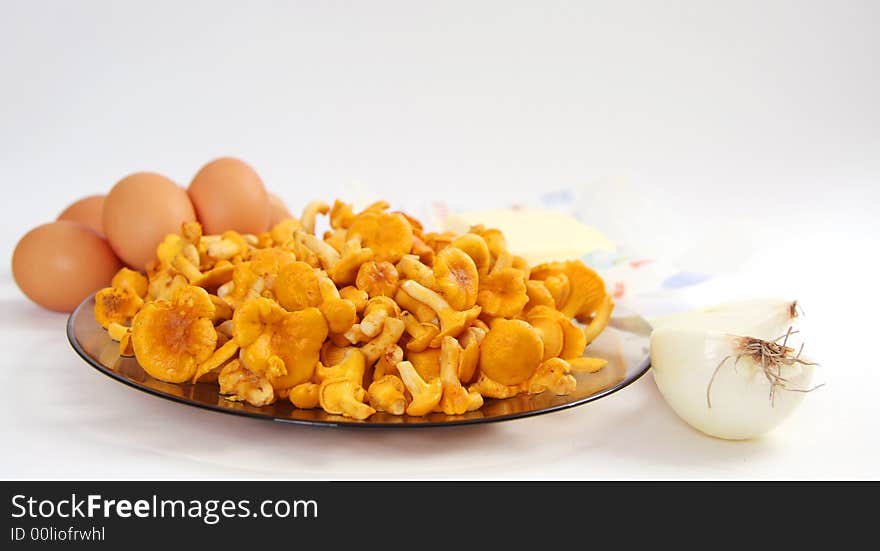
[[388, 235], [310, 212], [439, 241], [340, 313], [493, 237], [386, 394], [503, 293], [227, 246], [174, 247], [475, 247], [220, 274], [170, 338], [600, 319], [586, 288], [342, 266], [511, 352], [305, 395], [425, 395], [552, 375], [328, 256], [351, 367], [282, 232], [456, 277], [423, 251], [546, 321], [344, 397], [351, 258], [392, 330], [164, 282], [456, 399], [283, 346], [296, 287], [240, 383], [427, 363], [566, 342], [422, 333], [216, 360], [538, 295], [421, 310], [493, 389], [470, 355], [387, 362], [116, 305], [257, 276], [341, 215], [378, 309], [410, 267], [358, 297], [586, 365], [377, 278], [452, 322], [332, 354], [131, 280]]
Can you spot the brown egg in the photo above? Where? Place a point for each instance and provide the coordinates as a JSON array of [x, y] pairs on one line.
[[86, 211], [277, 210], [59, 264], [229, 195], [140, 211]]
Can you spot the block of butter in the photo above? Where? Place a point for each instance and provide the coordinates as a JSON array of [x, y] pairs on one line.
[[538, 235]]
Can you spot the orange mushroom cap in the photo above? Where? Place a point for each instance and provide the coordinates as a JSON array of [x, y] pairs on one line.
[[511, 352], [283, 346], [170, 338], [116, 305], [377, 278], [503, 293], [131, 280], [456, 277], [388, 235], [296, 287]]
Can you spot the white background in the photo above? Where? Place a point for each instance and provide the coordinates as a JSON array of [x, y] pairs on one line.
[[738, 137]]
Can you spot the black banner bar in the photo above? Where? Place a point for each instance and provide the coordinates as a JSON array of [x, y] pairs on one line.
[[257, 515]]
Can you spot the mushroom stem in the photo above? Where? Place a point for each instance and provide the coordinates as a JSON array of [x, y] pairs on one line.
[[455, 400], [223, 249], [585, 364], [378, 309], [391, 333], [422, 333], [425, 396], [411, 267], [328, 256], [328, 290], [117, 331], [452, 322], [185, 266], [425, 295], [307, 221], [600, 320]]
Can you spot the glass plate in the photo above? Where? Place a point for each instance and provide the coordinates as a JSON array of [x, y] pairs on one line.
[[626, 352]]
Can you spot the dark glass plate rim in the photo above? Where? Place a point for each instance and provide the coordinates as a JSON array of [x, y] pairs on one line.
[[637, 374]]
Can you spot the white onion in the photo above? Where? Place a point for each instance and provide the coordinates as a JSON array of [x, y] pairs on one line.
[[765, 319], [718, 381]]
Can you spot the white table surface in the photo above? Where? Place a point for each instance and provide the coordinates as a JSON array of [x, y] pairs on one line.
[[740, 140]]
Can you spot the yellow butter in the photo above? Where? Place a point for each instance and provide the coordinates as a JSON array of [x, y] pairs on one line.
[[537, 235]]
